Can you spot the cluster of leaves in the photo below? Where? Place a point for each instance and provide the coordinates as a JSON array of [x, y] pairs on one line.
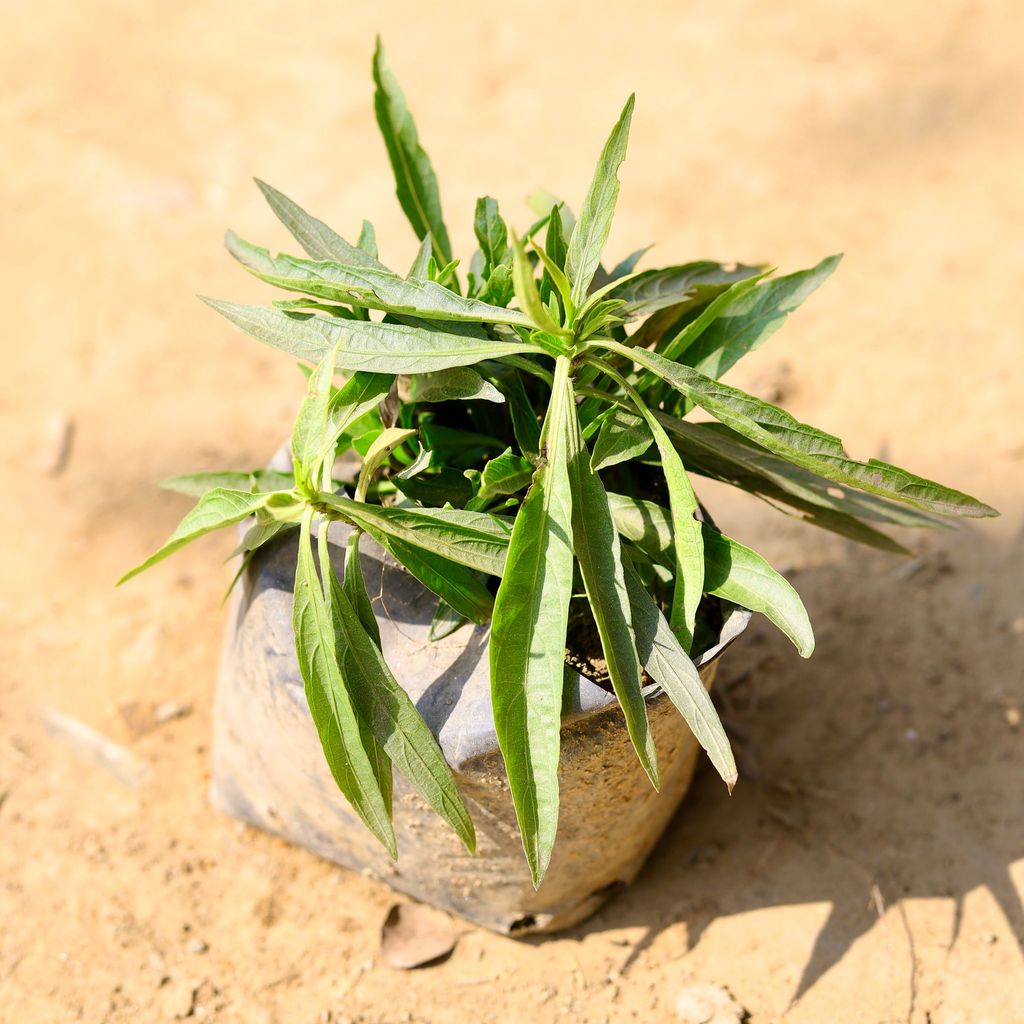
[[524, 459]]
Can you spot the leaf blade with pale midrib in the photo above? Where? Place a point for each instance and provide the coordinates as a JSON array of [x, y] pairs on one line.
[[318, 240], [369, 287], [775, 429], [590, 232], [357, 770], [217, 508], [527, 649], [668, 664], [732, 571], [598, 552], [366, 345], [415, 180]]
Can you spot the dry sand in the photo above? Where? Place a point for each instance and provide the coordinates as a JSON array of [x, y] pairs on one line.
[[869, 866]]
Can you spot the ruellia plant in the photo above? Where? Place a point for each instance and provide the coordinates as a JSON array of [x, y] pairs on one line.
[[526, 438]]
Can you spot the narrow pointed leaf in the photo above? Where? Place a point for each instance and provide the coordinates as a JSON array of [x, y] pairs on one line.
[[310, 428], [386, 709], [491, 233], [670, 666], [197, 484], [750, 317], [376, 456], [457, 384], [215, 509], [415, 181], [716, 451], [688, 584], [261, 532], [598, 551], [505, 474], [526, 291], [420, 269], [318, 240], [595, 220], [527, 651], [623, 436], [653, 290], [626, 266], [775, 429], [445, 622], [369, 287], [474, 539], [525, 424], [355, 588], [365, 345], [731, 571], [456, 585], [351, 750], [367, 241]]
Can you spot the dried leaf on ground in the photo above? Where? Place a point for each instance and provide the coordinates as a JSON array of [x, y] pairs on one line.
[[414, 935]]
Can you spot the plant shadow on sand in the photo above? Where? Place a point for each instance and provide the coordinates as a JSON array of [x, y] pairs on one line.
[[876, 772]]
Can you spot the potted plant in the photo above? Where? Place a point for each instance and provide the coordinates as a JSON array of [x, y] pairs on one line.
[[504, 459]]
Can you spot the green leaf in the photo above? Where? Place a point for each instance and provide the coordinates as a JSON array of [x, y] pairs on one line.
[[525, 424], [445, 622], [499, 288], [623, 436], [591, 231], [415, 181], [742, 576], [526, 291], [456, 585], [731, 571], [313, 306], [378, 454], [315, 237], [197, 484], [474, 539], [457, 384], [367, 240], [310, 428], [748, 318], [216, 508], [446, 485], [598, 552], [459, 448], [688, 584], [365, 345], [670, 286], [326, 414], [505, 474], [555, 281], [555, 244], [383, 705], [716, 451], [368, 287], [261, 532], [668, 664], [357, 763], [491, 233], [775, 429], [527, 650], [420, 269], [626, 267], [355, 588], [678, 343]]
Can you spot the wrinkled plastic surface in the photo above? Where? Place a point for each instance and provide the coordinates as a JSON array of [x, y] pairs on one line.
[[269, 769]]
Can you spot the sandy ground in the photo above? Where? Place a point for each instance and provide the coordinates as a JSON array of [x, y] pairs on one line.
[[869, 867]]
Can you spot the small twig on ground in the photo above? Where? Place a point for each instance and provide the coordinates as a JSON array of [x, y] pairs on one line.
[[121, 763]]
